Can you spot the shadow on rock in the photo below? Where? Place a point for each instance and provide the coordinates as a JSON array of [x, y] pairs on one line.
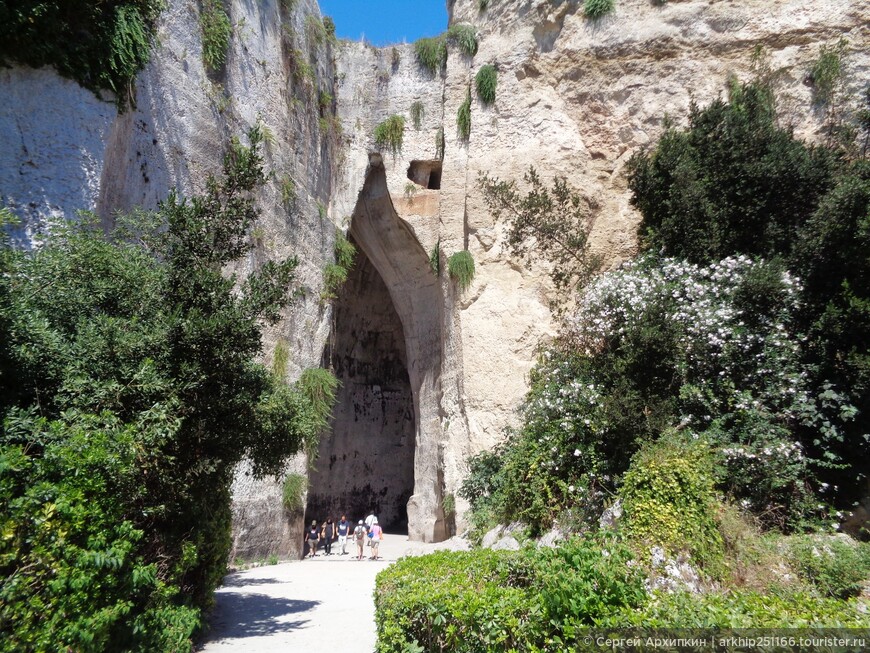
[[238, 614]]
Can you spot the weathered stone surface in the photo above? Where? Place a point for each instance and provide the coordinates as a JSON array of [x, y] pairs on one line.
[[506, 543], [574, 98], [491, 537]]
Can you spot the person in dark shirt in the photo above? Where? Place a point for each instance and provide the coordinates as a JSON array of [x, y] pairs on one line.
[[311, 539], [327, 534]]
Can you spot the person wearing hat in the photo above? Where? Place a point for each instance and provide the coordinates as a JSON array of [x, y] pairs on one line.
[[359, 536], [376, 534]]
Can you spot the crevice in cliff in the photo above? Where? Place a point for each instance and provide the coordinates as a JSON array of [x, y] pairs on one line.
[[386, 350]]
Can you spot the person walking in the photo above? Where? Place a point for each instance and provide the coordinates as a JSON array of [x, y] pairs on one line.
[[376, 534], [343, 528], [371, 519], [359, 536], [327, 534], [311, 539]]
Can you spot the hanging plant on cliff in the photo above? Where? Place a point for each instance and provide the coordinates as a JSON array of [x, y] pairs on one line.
[[101, 45]]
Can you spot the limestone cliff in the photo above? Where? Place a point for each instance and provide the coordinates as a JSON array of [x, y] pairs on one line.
[[430, 374]]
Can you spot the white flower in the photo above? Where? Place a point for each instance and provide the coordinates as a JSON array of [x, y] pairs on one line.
[[576, 452]]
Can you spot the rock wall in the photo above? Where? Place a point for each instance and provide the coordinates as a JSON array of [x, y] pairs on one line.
[[62, 150], [575, 98], [431, 374]]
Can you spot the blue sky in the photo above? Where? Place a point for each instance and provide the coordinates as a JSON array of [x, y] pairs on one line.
[[386, 21]]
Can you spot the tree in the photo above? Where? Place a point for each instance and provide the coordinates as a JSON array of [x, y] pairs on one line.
[[129, 391], [551, 224]]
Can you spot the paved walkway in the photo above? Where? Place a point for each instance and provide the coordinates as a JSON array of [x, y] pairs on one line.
[[311, 605]]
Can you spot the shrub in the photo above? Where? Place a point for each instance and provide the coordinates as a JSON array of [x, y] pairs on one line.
[[100, 45], [835, 568], [431, 53], [463, 37], [216, 32], [732, 183], [827, 72], [461, 268], [741, 609], [485, 82], [463, 118], [669, 501], [115, 485], [390, 133], [597, 8], [293, 493]]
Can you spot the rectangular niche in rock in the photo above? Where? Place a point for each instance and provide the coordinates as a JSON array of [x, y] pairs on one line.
[[426, 173]]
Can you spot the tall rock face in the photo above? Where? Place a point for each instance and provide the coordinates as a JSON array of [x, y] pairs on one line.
[[575, 98], [63, 150], [430, 373]]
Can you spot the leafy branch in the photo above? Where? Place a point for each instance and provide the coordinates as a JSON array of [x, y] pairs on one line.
[[551, 224]]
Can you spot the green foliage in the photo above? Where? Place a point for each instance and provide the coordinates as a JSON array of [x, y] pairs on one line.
[[548, 599], [481, 601], [288, 190], [836, 568], [464, 37], [595, 9], [669, 501], [460, 265], [329, 28], [448, 504], [435, 258], [335, 274], [732, 183], [431, 53], [827, 72], [315, 29], [416, 112], [293, 493], [485, 82], [741, 609], [100, 45], [129, 392], [280, 358], [216, 31], [550, 223], [390, 133], [463, 118], [661, 344]]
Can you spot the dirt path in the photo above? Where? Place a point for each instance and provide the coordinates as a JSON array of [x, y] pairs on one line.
[[311, 605]]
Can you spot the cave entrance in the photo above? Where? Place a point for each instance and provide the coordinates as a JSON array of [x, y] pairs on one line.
[[385, 452], [368, 461]]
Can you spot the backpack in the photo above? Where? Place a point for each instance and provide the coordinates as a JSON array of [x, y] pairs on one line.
[[359, 532]]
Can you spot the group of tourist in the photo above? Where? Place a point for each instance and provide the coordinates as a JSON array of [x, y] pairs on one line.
[[367, 533]]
